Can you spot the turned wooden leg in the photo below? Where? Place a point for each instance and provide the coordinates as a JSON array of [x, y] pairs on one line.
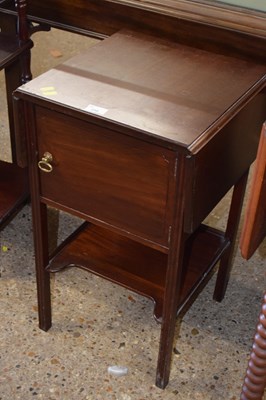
[[25, 63], [255, 379], [230, 233]]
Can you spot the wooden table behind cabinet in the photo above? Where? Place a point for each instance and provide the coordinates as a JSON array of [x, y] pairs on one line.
[[142, 138]]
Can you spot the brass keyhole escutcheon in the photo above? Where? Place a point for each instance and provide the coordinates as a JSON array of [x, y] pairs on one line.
[[45, 163]]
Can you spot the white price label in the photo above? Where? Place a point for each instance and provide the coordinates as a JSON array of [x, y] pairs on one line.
[[96, 109]]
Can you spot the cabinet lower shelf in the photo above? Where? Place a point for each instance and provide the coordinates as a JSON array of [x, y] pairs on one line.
[[14, 190], [138, 267]]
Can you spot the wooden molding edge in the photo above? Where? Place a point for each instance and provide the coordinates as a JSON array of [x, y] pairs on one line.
[[223, 15]]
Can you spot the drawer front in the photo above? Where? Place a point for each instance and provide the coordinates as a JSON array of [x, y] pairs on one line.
[[105, 175]]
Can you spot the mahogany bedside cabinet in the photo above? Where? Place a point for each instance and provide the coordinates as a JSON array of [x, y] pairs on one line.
[[142, 137]]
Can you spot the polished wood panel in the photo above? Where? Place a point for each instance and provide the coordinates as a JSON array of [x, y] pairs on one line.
[[151, 102], [204, 11], [211, 12], [127, 181], [10, 49], [138, 267], [254, 229], [13, 191], [15, 61], [101, 18], [223, 171]]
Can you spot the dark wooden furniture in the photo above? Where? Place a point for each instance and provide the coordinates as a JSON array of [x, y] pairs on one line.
[[185, 23], [104, 17], [254, 231], [15, 61], [142, 137]]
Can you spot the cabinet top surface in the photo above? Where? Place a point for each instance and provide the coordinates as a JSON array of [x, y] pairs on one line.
[[176, 92]]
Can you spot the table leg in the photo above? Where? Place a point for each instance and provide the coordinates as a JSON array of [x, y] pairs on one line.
[[231, 234], [13, 80], [172, 288], [255, 379], [40, 233]]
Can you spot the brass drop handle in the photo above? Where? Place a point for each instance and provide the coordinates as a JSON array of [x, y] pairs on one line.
[[45, 163]]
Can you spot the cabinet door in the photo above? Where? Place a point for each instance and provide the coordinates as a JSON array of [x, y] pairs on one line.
[[106, 176]]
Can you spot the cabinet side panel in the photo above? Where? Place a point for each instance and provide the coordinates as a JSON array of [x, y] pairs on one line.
[[221, 163]]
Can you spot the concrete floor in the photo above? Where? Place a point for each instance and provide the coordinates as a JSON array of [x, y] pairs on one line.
[[97, 324]]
